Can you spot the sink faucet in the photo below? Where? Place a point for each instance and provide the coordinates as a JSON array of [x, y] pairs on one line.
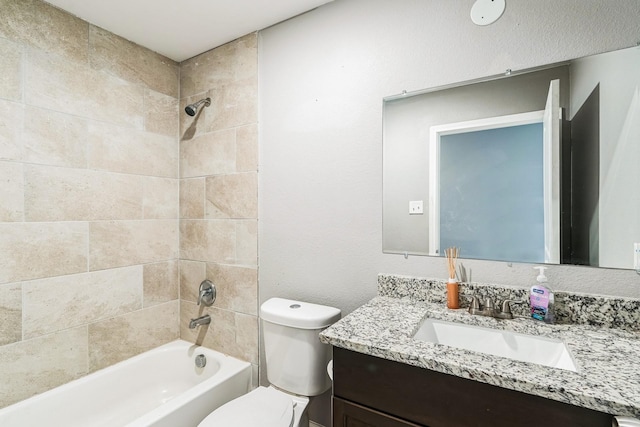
[[204, 320], [490, 310]]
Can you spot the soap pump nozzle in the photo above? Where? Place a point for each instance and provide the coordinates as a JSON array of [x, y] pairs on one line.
[[541, 277]]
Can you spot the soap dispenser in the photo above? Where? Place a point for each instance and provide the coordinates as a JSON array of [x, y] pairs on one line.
[[541, 298]]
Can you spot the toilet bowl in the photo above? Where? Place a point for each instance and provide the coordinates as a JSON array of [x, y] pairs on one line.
[[296, 363]]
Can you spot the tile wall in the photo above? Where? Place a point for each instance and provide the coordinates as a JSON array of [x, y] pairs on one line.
[[89, 200], [219, 197]]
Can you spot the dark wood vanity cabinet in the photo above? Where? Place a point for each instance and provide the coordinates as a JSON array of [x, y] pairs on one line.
[[373, 392]]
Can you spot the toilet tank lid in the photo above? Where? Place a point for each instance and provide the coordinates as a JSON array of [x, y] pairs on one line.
[[298, 314]]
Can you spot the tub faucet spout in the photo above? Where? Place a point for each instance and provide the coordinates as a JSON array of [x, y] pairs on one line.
[[204, 320]]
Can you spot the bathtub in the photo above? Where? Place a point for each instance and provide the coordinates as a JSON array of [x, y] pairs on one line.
[[160, 388]]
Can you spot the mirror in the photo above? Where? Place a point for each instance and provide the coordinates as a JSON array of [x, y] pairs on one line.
[[539, 166]]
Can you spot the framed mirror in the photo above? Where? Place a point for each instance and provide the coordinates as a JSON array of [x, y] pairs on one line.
[[539, 166]]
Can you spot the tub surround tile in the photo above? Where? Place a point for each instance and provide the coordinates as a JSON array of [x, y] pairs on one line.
[[161, 283], [55, 83], [607, 380], [237, 287], [209, 154], [11, 119], [161, 198], [125, 336], [132, 62], [52, 138], [80, 299], [36, 250], [232, 196], [231, 62], [11, 192], [192, 198], [64, 194], [247, 148], [213, 240], [235, 334], [10, 313], [10, 70], [120, 149], [33, 22], [247, 242], [161, 114], [192, 273], [40, 364], [123, 243]]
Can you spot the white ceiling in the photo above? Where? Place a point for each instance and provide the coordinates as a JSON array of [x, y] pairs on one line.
[[181, 29]]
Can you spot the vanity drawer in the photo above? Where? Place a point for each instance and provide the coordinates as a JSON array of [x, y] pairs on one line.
[[434, 399]]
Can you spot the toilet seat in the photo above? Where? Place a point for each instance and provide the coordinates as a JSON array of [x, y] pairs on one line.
[[263, 407]]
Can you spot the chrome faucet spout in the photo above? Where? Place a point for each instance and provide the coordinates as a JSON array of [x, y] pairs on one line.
[[204, 320]]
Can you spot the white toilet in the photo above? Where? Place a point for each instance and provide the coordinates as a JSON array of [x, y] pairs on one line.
[[296, 368]]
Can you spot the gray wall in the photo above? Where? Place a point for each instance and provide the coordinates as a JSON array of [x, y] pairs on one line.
[[322, 78]]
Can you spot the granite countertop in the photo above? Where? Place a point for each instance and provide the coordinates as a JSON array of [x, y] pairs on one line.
[[608, 362]]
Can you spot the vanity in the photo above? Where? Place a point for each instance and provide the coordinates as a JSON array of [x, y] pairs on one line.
[[387, 375]]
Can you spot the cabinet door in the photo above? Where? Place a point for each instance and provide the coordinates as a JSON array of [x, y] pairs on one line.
[[348, 414]]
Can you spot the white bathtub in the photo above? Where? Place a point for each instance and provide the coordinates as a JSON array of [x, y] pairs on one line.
[[160, 388]]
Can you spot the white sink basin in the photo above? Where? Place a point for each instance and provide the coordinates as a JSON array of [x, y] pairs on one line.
[[526, 348]]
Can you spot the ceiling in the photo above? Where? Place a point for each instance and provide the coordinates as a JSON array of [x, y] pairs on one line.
[[181, 29]]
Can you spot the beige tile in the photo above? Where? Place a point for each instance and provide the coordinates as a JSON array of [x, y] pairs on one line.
[[32, 251], [132, 62], [58, 303], [54, 83], [161, 198], [237, 287], [247, 148], [119, 149], [11, 191], [192, 273], [208, 240], [160, 283], [232, 196], [121, 243], [161, 113], [192, 198], [37, 365], [11, 119], [230, 333], [43, 26], [210, 154], [246, 337], [119, 338], [236, 60], [10, 70], [64, 194], [10, 313], [232, 105], [53, 138], [247, 242]]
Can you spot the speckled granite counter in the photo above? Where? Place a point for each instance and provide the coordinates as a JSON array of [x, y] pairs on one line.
[[608, 360]]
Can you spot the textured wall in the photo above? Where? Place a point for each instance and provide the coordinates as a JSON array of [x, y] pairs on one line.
[[89, 199], [219, 197]]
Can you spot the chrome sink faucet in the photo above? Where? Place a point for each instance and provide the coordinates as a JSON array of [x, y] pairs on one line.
[[490, 310]]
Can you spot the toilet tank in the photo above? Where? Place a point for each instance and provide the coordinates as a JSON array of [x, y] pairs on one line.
[[296, 359]]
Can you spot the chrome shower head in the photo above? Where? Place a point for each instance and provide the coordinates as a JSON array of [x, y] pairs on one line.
[[192, 109]]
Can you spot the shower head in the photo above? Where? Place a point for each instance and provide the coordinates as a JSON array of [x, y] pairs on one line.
[[192, 109]]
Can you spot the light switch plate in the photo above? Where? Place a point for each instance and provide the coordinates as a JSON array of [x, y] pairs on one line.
[[416, 207]]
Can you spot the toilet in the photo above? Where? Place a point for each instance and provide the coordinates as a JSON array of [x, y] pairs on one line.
[[296, 364]]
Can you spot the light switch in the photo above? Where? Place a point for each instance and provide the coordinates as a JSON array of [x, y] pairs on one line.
[[416, 207]]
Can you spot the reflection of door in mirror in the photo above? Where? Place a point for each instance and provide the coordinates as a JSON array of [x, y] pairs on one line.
[[494, 186]]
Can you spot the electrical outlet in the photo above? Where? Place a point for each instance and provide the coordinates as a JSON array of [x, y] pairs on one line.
[[416, 207], [636, 257]]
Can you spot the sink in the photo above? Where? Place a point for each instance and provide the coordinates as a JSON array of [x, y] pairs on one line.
[[526, 348]]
